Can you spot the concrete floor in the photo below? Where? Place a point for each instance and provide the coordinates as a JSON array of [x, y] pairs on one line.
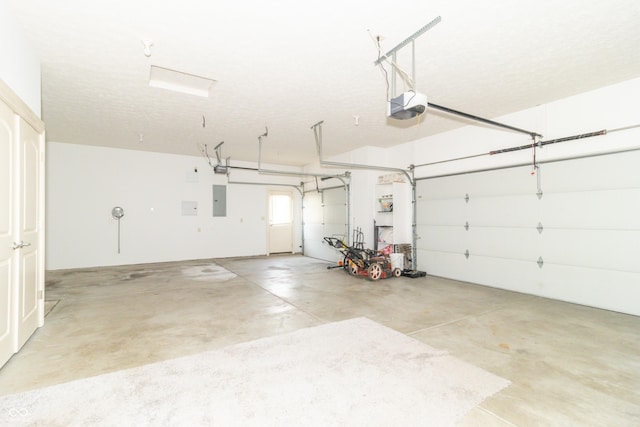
[[568, 364]]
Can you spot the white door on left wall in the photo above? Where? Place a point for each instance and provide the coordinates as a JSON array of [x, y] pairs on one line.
[[21, 224], [30, 302], [7, 331], [280, 222]]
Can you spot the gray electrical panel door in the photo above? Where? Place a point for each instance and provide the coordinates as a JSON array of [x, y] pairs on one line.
[[219, 200]]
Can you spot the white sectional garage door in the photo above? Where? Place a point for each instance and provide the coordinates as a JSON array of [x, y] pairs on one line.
[[578, 242], [324, 214]]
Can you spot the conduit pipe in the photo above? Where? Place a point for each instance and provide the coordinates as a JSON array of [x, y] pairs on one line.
[[317, 132]]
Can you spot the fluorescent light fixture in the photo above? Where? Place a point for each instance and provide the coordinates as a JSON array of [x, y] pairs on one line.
[[178, 81]]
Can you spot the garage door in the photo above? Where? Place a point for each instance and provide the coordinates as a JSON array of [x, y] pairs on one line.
[[324, 214], [578, 240]]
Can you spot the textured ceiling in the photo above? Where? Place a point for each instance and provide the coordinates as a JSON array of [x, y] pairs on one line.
[[289, 64]]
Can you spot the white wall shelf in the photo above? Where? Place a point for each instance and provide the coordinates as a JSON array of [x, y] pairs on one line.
[[393, 213]]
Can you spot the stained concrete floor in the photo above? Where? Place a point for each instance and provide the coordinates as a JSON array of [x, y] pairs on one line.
[[568, 364]]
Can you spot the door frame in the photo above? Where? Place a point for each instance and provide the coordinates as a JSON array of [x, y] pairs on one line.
[[270, 193]]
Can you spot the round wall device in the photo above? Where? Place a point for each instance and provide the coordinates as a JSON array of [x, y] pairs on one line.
[[117, 212]]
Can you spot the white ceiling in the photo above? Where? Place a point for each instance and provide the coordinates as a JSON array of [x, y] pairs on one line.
[[289, 64]]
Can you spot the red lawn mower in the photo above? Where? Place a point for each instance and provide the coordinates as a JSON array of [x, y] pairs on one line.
[[365, 262]]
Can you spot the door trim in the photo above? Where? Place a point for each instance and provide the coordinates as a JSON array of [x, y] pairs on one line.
[[269, 194], [20, 108]]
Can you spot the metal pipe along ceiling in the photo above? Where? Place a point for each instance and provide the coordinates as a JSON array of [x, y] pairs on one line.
[[317, 131], [482, 120], [278, 172]]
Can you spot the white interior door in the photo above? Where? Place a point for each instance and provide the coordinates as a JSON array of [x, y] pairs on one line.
[[29, 304], [21, 223], [7, 331], [280, 222]]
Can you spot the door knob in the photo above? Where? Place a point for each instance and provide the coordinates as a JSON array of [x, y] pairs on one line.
[[20, 245]]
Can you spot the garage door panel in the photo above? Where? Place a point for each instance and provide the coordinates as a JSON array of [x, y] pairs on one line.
[[324, 215], [509, 243], [602, 249], [314, 244], [515, 275], [443, 212], [334, 216], [509, 274], [602, 209], [313, 231], [614, 290], [503, 182], [312, 208], [504, 211], [447, 239], [593, 173], [334, 196], [454, 187], [441, 264], [325, 252], [493, 183], [334, 230]]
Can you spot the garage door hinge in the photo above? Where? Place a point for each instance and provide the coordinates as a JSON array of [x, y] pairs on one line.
[[466, 197], [539, 228], [466, 225], [466, 254], [540, 262]]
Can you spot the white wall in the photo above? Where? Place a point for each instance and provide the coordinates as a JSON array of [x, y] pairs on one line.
[[84, 183], [19, 63]]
